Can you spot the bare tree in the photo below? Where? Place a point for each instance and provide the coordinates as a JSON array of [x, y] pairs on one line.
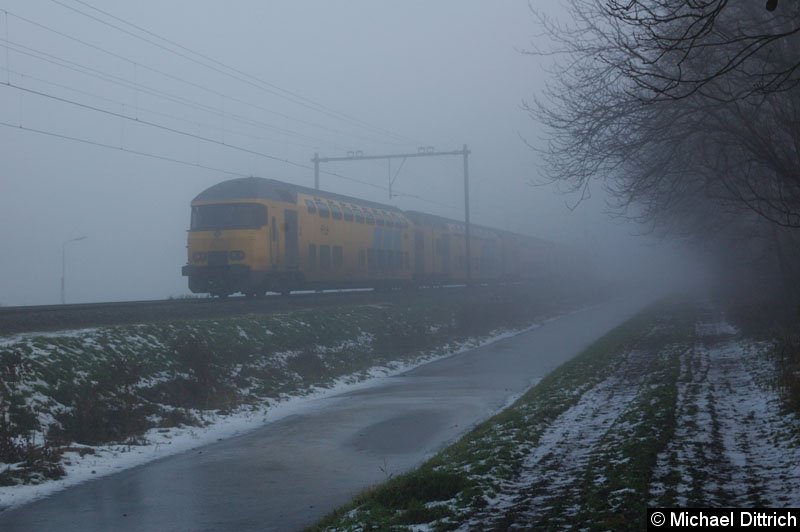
[[608, 122], [687, 112], [740, 42]]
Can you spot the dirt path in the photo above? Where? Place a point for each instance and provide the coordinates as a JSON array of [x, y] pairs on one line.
[[676, 408], [718, 432], [732, 445]]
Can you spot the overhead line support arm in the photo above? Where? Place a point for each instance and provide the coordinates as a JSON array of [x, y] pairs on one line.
[[424, 152]]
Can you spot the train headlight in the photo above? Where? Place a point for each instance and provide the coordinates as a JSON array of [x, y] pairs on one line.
[[236, 255], [199, 256]]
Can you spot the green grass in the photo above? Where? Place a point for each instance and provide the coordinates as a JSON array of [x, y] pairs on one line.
[[111, 385], [492, 454]]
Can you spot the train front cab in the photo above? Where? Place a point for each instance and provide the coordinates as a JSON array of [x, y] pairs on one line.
[[245, 236], [225, 246], [252, 258]]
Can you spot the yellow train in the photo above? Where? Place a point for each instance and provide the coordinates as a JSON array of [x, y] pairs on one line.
[[256, 235]]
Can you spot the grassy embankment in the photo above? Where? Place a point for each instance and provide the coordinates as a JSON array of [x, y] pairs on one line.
[[63, 393], [601, 438]]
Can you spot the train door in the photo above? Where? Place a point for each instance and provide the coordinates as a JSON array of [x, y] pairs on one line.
[[274, 245], [445, 254], [419, 253], [291, 252]]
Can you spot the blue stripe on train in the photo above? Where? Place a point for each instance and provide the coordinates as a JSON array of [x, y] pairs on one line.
[[383, 238]]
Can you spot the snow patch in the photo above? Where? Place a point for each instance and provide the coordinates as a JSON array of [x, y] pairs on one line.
[[725, 450], [109, 459]]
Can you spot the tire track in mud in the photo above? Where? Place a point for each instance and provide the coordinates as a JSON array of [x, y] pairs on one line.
[[733, 446], [679, 410], [550, 489]]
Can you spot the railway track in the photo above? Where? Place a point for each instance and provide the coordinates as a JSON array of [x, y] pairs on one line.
[[46, 318]]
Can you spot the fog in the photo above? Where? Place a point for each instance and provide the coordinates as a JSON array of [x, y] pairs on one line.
[[287, 80]]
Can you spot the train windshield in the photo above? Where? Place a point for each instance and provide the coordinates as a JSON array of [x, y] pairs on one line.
[[228, 216]]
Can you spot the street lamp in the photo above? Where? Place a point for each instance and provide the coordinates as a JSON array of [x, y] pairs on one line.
[[64, 262]]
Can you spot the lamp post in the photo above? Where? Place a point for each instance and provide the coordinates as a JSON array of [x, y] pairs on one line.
[[64, 263]]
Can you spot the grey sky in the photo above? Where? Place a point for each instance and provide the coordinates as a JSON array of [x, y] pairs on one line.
[[420, 73]]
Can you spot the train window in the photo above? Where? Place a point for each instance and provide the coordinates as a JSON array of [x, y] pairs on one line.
[[228, 216], [348, 214], [389, 219], [336, 212], [324, 258], [358, 214], [286, 195], [323, 210], [362, 259], [312, 209], [338, 259], [369, 217], [312, 257], [379, 219]]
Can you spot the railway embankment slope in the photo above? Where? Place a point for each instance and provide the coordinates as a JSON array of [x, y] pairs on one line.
[[676, 408], [82, 403]]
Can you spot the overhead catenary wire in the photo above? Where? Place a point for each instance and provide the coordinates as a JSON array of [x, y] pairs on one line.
[[117, 80], [87, 70], [173, 77], [153, 124], [8, 63], [401, 194], [119, 148], [205, 139], [229, 71], [154, 112], [183, 162], [157, 156], [183, 133]]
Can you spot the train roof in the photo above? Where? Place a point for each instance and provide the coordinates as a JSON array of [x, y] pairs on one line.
[[262, 188], [455, 226]]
